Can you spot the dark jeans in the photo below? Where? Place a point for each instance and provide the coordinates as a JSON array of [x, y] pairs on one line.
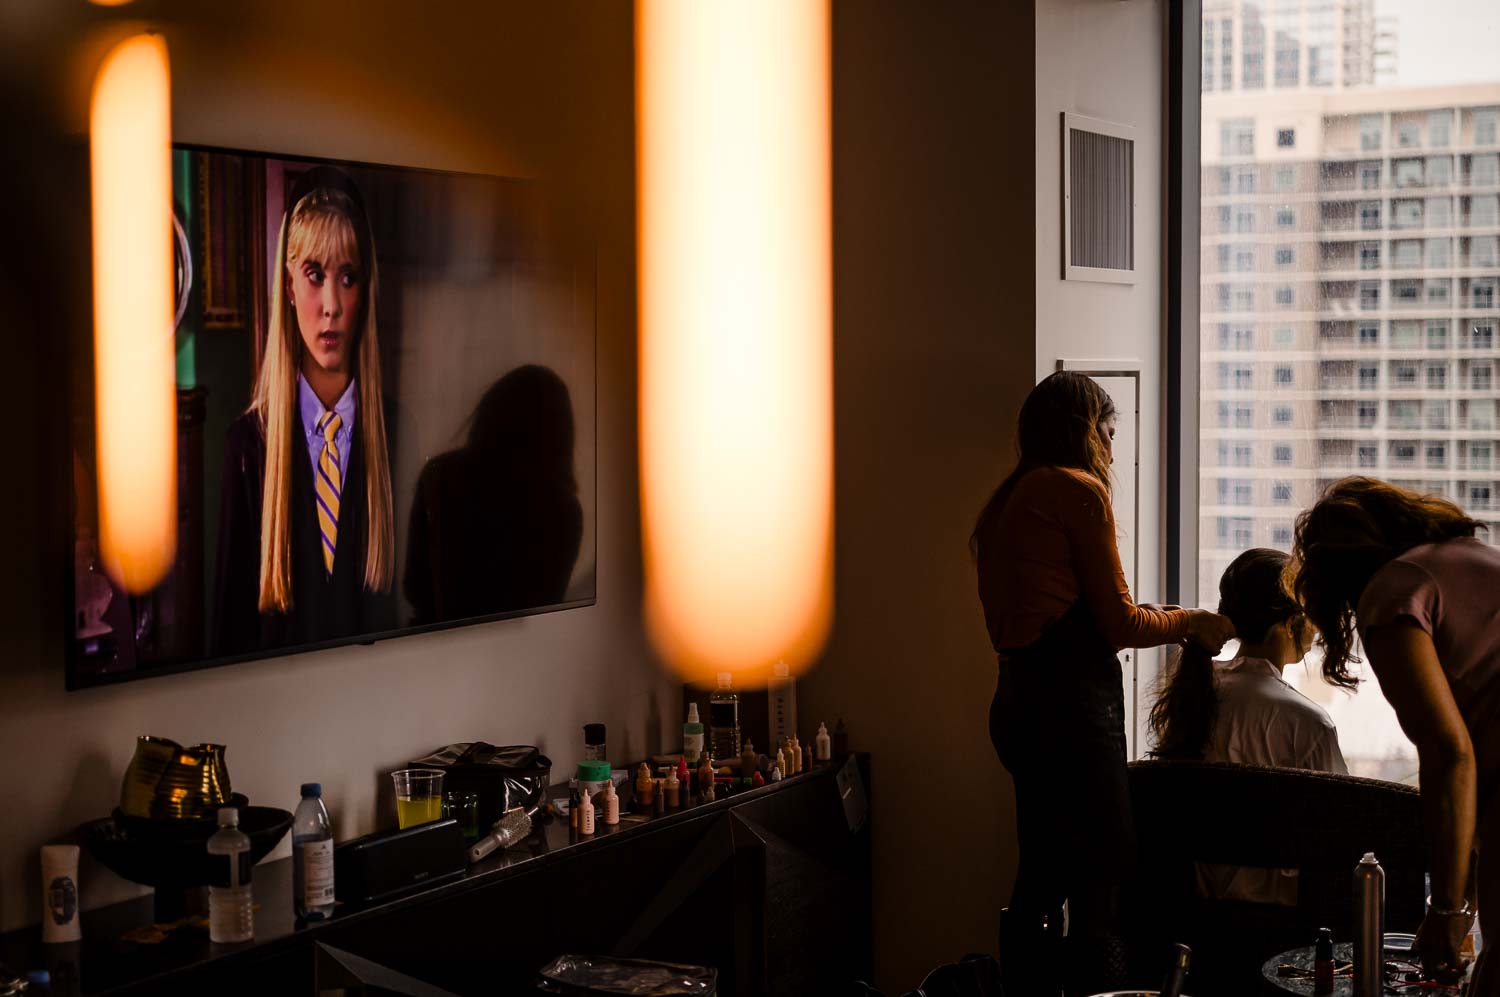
[[1058, 725]]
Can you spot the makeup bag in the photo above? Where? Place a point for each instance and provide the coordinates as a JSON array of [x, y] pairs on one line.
[[514, 775]]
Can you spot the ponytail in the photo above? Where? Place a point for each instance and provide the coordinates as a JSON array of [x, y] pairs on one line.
[[1182, 721]]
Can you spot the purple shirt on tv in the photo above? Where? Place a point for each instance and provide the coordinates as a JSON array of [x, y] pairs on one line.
[[312, 412]]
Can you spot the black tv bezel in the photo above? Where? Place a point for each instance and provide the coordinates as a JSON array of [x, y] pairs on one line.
[[76, 681]]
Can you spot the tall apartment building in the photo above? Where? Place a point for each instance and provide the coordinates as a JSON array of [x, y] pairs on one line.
[[1279, 45], [1350, 273]]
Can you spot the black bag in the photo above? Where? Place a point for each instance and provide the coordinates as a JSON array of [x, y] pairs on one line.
[[516, 775]]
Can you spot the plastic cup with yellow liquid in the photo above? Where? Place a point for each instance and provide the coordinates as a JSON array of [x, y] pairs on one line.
[[419, 796]]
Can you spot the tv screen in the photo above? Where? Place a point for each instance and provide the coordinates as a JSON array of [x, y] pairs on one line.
[[385, 417]]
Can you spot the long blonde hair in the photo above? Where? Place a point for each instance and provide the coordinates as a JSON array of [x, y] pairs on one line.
[[323, 219]]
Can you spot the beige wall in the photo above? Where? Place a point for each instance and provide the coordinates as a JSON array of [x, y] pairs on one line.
[[513, 89], [1104, 59], [933, 297]]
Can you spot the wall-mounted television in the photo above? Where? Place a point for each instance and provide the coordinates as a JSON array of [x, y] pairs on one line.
[[385, 417]]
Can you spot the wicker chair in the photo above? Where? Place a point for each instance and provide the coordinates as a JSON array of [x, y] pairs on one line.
[[1320, 824]]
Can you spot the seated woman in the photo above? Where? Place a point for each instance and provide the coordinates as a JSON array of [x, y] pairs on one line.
[[1244, 710]]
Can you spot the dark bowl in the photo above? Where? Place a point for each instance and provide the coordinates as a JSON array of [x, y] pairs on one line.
[[174, 853]]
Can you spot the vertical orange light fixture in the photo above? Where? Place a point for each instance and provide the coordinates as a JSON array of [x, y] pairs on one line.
[[736, 375], [130, 150]]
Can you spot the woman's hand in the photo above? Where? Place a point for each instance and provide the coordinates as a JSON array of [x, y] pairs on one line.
[[1209, 630], [1440, 942]]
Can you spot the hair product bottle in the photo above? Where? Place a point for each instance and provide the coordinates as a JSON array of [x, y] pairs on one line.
[[724, 719]]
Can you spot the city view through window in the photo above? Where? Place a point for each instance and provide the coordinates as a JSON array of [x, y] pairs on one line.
[[1350, 280]]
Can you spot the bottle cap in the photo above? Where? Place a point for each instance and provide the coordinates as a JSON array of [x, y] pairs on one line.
[[312, 790], [726, 680], [593, 733], [693, 713], [593, 771], [229, 816], [780, 670], [1369, 859]]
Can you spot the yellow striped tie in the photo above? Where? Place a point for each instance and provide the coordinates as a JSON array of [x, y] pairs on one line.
[[329, 487]]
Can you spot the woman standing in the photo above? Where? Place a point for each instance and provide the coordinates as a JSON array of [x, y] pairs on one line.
[[306, 542], [1406, 573], [1058, 609]]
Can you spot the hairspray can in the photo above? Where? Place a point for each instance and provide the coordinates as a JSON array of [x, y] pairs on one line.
[[1369, 927]]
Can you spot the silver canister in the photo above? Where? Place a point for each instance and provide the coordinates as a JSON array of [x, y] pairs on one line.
[[1369, 927]]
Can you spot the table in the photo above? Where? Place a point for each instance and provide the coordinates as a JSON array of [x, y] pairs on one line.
[[1342, 986]]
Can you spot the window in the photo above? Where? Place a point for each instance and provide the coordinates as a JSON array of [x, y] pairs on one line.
[[1369, 215], [1406, 172], [1406, 335], [1485, 119], [1369, 455], [1403, 453], [1482, 336], [1281, 493], [1435, 455], [1369, 255], [1408, 135], [1283, 377], [1282, 335], [1479, 456], [1245, 182], [1369, 335], [1484, 170], [1285, 256], [1437, 253], [1234, 491], [1435, 414], [1234, 532], [1284, 297], [1282, 415], [1244, 220], [1404, 375], [1406, 292], [1479, 496], [1439, 171], [1438, 125], [1370, 127], [1437, 376], [1484, 251], [1369, 295], [1369, 176], [1369, 378], [1403, 415], [1281, 453], [1286, 138], [1482, 294], [1244, 261], [1481, 377], [1406, 214], [1406, 253], [1286, 178], [1368, 414], [1437, 335], [1286, 217], [1437, 293], [1281, 536], [1484, 212], [1244, 417], [1237, 137], [1224, 218], [1439, 212]]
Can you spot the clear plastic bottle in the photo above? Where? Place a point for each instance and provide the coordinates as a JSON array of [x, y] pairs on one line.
[[231, 909], [312, 856], [724, 719]]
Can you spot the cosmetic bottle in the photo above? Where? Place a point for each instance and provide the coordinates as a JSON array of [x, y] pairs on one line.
[[824, 743], [586, 814], [692, 736], [1323, 963], [611, 805], [724, 719], [840, 739], [747, 759], [594, 748], [1369, 927], [645, 788]]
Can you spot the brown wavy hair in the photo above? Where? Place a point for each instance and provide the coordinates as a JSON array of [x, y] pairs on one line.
[[1058, 427], [1358, 526]]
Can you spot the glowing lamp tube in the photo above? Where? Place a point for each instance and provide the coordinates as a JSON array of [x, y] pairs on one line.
[[135, 393], [736, 417]]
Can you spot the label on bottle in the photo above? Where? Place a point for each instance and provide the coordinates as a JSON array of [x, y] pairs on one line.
[[692, 747], [317, 873]]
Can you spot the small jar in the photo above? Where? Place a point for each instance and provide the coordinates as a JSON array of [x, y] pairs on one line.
[[593, 777]]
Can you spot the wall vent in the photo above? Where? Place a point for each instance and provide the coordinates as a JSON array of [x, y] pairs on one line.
[[1098, 160]]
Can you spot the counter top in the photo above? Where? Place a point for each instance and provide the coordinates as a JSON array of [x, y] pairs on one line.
[[106, 960]]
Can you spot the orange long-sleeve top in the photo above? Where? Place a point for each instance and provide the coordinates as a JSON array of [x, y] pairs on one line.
[[1052, 543]]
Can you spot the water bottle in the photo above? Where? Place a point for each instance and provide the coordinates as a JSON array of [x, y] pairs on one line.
[[724, 720], [1369, 927], [312, 856], [231, 915]]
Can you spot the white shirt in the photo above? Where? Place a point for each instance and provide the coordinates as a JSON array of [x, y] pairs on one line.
[[1264, 721], [313, 412]]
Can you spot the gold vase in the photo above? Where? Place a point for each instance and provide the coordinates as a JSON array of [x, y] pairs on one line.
[[168, 781]]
